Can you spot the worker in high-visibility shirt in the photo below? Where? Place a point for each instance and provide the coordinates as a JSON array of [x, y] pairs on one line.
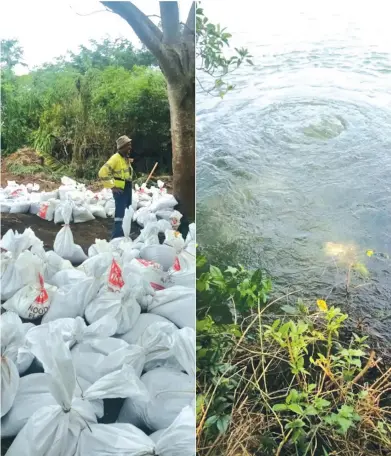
[[117, 174]]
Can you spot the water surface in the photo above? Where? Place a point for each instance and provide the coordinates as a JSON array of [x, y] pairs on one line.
[[300, 153]]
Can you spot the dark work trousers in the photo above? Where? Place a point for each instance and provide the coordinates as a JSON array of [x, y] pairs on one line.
[[122, 200]]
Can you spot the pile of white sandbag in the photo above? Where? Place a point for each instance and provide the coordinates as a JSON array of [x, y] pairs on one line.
[[119, 325], [151, 204]]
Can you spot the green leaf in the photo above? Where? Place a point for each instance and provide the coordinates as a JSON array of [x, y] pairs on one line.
[[216, 273], [231, 270], [289, 309], [296, 408], [321, 403], [344, 423], [295, 424], [280, 407], [223, 423], [292, 396], [211, 420], [311, 411]]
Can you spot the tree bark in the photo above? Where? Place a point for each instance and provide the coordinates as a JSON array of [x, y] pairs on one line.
[[175, 52], [182, 111]]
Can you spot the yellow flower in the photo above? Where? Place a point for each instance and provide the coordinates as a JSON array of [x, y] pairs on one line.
[[370, 253], [322, 304]]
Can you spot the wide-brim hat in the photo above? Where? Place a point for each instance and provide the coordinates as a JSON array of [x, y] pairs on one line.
[[122, 141]]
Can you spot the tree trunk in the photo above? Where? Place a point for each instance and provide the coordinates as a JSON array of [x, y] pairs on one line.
[[175, 51], [182, 112]]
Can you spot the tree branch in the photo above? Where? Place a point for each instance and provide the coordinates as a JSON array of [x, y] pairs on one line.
[[150, 35], [169, 12]]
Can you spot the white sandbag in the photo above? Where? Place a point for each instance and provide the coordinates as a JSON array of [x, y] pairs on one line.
[[81, 213], [119, 439], [35, 208], [65, 180], [32, 301], [158, 342], [143, 322], [5, 207], [126, 439], [175, 240], [169, 390], [47, 196], [51, 262], [165, 214], [54, 430], [191, 235], [19, 207], [33, 394], [162, 254], [97, 210], [71, 330], [183, 349], [12, 338], [134, 200], [149, 235], [47, 210], [54, 264], [163, 225], [100, 246], [64, 191], [144, 204], [110, 208], [183, 272], [129, 253], [115, 300], [165, 202], [142, 211], [33, 187], [98, 265], [175, 219], [17, 243], [179, 439], [70, 301], [68, 277], [127, 221], [120, 305], [177, 304], [150, 271], [161, 187], [16, 266], [191, 248], [97, 358], [145, 218], [13, 335], [64, 244], [141, 288]]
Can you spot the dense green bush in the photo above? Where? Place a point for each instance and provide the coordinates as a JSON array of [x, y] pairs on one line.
[[72, 111]]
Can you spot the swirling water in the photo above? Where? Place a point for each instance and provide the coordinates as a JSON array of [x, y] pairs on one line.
[[299, 154]]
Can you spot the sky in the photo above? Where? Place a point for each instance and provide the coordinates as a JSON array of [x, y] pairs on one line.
[[47, 29]]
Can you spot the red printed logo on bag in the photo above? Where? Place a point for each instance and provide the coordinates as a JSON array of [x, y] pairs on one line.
[[43, 294], [16, 192], [116, 281], [146, 263], [156, 286], [43, 210], [177, 265]]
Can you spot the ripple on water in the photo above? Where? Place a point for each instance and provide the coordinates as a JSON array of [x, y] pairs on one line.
[[297, 156]]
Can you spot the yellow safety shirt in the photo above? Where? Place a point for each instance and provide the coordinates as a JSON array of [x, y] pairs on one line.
[[115, 172]]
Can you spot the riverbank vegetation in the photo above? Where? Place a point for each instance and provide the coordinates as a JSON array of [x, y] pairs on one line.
[[282, 378]]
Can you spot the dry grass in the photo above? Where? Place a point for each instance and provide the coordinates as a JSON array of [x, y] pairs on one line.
[[265, 379]]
